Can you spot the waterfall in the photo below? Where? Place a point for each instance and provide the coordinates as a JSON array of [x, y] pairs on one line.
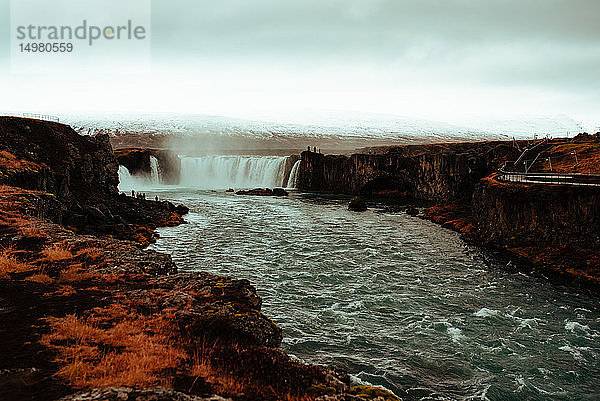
[[128, 182], [125, 180], [222, 172], [154, 173], [293, 180]]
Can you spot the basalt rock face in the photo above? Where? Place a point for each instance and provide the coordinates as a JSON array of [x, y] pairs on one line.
[[428, 172], [553, 215], [79, 174], [68, 165], [137, 162]]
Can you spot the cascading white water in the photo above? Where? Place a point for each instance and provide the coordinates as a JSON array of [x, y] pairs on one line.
[[293, 179], [222, 172], [128, 182], [154, 173]]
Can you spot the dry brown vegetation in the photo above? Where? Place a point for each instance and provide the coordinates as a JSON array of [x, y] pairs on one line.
[[90, 253], [113, 347], [76, 273], [40, 278], [57, 253], [455, 216], [10, 265], [570, 157], [8, 161]]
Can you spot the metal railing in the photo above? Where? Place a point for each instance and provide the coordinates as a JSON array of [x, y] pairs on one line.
[[46, 117], [549, 178]]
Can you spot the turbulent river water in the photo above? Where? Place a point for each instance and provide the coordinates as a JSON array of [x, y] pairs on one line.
[[395, 300]]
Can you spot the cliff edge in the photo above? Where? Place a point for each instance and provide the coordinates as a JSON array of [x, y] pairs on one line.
[[551, 227]]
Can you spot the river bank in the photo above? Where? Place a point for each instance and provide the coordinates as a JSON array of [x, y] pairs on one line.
[[551, 227], [85, 307]]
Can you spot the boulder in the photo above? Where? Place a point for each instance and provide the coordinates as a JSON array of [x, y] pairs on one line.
[[413, 211], [264, 192], [357, 205], [182, 209], [256, 192], [280, 192]]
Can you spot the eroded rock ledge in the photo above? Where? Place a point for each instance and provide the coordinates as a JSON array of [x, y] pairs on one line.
[[550, 227]]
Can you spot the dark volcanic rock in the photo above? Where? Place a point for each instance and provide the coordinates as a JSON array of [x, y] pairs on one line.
[[136, 394], [264, 192], [413, 211], [69, 165], [556, 215], [427, 172], [137, 162], [357, 204], [182, 209], [209, 305], [280, 192]]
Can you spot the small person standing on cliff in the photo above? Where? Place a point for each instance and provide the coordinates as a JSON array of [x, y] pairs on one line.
[[156, 198], [132, 193]]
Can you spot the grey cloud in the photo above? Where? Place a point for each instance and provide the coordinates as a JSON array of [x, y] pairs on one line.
[[367, 27], [424, 35]]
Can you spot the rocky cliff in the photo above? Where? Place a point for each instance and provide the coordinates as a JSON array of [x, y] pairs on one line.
[[79, 175], [555, 215], [553, 227], [56, 159], [429, 172], [138, 162]]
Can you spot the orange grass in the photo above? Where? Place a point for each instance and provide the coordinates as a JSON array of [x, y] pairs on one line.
[[112, 348], [9, 264], [564, 160], [57, 253], [40, 278], [75, 273], [8, 161]]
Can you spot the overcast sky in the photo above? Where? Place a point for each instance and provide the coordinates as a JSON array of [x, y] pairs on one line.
[[439, 59]]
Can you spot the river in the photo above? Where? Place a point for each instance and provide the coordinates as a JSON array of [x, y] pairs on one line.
[[394, 300]]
